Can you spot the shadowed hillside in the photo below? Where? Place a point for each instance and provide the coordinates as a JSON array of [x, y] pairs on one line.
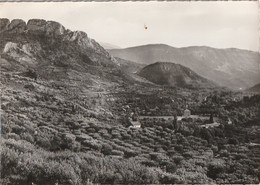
[[255, 88], [170, 74]]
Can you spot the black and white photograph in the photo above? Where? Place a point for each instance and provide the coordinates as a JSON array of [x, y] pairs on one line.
[[130, 93]]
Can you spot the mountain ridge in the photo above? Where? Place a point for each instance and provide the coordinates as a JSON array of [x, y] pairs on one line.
[[233, 68], [51, 29], [183, 47]]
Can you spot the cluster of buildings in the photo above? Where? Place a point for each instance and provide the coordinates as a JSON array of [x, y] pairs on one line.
[[136, 121]]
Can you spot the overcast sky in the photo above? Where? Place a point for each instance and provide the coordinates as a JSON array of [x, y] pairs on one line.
[[179, 24]]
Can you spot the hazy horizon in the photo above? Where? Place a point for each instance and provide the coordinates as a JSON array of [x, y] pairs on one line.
[[100, 42], [177, 24]]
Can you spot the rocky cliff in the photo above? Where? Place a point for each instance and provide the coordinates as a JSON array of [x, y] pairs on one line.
[[15, 35]]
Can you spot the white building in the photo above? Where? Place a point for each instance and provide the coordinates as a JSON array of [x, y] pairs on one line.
[[135, 124], [186, 113]]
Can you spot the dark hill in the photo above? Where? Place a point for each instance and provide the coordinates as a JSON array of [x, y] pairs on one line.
[[171, 74]]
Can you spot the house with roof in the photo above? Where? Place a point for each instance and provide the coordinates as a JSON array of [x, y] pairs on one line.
[[135, 124], [211, 125], [134, 120], [186, 113]]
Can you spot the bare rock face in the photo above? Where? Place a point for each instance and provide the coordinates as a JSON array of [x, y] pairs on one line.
[[24, 54], [36, 26], [89, 45], [48, 28], [9, 47], [54, 28], [4, 24], [17, 26], [80, 37]]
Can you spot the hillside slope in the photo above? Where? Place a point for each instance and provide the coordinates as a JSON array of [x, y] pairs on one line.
[[170, 74], [49, 73], [255, 88], [233, 68]]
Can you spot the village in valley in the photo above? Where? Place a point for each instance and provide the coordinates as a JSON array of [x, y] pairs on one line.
[[172, 106]]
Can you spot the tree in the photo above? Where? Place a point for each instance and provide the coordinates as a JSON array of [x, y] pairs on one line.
[[106, 149], [216, 167], [211, 120]]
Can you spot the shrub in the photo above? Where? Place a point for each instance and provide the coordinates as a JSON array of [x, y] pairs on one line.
[[92, 144], [170, 166], [233, 141], [168, 178], [177, 159], [117, 152], [215, 167], [13, 136], [106, 149], [17, 129], [130, 153], [27, 137], [179, 148], [189, 154]]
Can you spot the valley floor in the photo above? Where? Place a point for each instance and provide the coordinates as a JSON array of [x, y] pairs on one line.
[[50, 135]]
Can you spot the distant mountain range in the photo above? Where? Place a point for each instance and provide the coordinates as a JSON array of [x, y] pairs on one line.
[[233, 68], [109, 46], [176, 75]]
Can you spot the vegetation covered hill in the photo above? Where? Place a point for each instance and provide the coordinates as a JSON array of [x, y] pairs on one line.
[[255, 88], [170, 74], [233, 68]]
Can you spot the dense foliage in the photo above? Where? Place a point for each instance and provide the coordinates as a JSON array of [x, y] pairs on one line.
[[48, 139]]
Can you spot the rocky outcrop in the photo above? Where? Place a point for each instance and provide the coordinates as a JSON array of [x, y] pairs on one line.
[[3, 24], [52, 30], [15, 26], [49, 28], [33, 26]]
